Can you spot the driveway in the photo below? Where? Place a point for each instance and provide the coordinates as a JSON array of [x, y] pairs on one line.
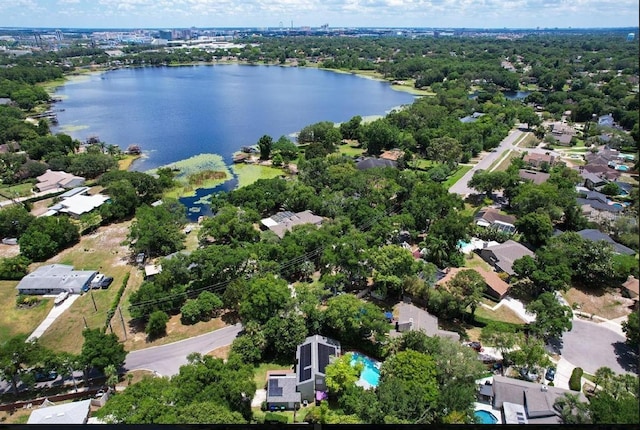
[[166, 360], [591, 345], [54, 313]]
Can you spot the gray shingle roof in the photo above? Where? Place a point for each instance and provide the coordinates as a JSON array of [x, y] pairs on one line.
[[282, 389], [505, 254], [596, 236]]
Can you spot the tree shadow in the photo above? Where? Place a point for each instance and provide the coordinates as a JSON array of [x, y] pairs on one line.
[[555, 345], [626, 357]]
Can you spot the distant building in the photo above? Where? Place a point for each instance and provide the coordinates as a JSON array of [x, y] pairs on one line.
[[51, 180], [597, 236], [392, 154], [606, 120], [471, 118], [370, 163], [538, 161], [55, 279], [282, 222]]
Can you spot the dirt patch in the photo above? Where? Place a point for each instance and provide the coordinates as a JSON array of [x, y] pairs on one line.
[[222, 352], [7, 251], [608, 305]]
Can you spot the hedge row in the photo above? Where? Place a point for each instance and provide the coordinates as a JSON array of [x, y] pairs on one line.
[[116, 300], [273, 418]]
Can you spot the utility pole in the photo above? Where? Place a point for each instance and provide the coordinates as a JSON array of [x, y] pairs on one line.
[[124, 328], [85, 322], [94, 301]]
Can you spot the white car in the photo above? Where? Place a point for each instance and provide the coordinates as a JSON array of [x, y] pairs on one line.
[[97, 280]]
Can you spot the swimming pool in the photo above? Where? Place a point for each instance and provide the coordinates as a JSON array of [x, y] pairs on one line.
[[371, 373], [486, 417]]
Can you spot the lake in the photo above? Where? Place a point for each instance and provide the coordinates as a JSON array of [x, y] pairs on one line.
[[174, 113]]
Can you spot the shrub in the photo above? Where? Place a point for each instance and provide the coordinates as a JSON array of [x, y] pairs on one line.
[[116, 301], [14, 268], [575, 382], [190, 312], [157, 325]]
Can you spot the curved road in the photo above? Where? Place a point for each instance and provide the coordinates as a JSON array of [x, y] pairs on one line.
[[167, 359]]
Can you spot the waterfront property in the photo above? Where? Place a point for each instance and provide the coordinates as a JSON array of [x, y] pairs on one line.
[[370, 376], [77, 202], [55, 279]]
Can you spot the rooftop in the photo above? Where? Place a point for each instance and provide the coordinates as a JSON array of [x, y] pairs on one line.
[[66, 414]]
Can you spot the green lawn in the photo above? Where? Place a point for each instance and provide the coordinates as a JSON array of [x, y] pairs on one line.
[[14, 320], [250, 173], [19, 190], [351, 151], [260, 372], [456, 176]]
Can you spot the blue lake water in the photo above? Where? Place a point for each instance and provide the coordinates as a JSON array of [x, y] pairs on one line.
[[174, 113]]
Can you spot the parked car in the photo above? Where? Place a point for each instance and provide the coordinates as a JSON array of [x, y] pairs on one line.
[[44, 376], [530, 375], [97, 280], [106, 282], [476, 346], [551, 374]]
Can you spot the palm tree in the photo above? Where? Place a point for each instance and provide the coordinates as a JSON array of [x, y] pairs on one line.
[[112, 376], [572, 410], [603, 377]]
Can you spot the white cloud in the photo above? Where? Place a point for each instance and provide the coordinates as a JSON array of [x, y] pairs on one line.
[[396, 13]]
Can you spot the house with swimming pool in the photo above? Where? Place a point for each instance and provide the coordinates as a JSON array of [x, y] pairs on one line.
[[312, 357]]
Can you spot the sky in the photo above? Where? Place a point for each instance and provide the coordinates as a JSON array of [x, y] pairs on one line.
[[314, 13]]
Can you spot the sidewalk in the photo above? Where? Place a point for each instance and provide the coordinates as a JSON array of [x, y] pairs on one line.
[[53, 314]]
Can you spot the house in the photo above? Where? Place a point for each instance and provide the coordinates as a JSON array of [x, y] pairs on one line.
[[533, 176], [392, 154], [151, 270], [597, 236], [631, 287], [471, 118], [495, 286], [371, 163], [281, 391], [312, 357], [523, 402], [52, 180], [502, 256], [562, 132], [77, 204], [625, 188], [595, 206], [492, 218], [282, 222], [411, 317], [592, 181], [538, 161], [55, 279], [606, 120], [64, 414]]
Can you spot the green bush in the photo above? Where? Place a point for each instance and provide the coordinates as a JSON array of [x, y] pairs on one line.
[[575, 382], [14, 268], [157, 325], [116, 300], [24, 300]]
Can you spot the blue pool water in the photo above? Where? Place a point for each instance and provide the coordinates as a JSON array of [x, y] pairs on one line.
[[371, 373], [486, 417]]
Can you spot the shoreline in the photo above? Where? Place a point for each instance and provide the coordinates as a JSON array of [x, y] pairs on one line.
[[126, 163]]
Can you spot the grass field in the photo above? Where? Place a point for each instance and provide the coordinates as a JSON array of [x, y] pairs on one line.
[[350, 151], [503, 313], [14, 320], [456, 176], [505, 162], [19, 190], [260, 372], [250, 173]]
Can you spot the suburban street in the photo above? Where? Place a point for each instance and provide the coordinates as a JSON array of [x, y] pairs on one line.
[[166, 360], [488, 158], [592, 345]]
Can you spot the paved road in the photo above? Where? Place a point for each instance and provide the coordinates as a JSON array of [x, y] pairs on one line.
[[167, 359], [591, 345], [461, 187]]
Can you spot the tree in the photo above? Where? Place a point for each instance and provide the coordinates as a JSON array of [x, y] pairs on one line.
[[572, 410], [208, 413], [231, 225], [265, 297], [111, 372], [528, 115], [158, 230], [468, 286], [340, 374], [100, 350], [284, 333], [504, 340], [408, 387], [445, 150], [552, 318], [46, 236], [265, 144], [631, 329], [532, 355], [488, 182], [16, 355], [14, 268], [391, 265], [603, 377], [352, 128], [14, 220], [536, 228], [157, 324], [351, 320]]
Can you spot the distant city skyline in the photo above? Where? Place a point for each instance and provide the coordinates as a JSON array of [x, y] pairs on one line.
[[315, 13]]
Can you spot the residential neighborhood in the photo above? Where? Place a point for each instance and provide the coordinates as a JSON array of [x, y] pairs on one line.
[[469, 258]]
